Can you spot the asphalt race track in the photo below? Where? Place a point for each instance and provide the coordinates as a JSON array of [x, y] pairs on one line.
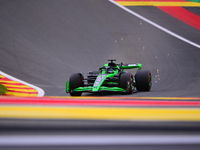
[[43, 42]]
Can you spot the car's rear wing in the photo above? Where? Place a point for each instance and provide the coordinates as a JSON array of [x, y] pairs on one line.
[[131, 66]]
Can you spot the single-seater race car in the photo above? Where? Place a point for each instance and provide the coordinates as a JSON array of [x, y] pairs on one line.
[[111, 77]]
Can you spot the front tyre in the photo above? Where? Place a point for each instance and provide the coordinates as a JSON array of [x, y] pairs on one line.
[[75, 81], [143, 80]]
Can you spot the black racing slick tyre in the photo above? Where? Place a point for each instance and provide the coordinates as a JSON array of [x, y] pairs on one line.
[[125, 82], [75, 81], [143, 80]]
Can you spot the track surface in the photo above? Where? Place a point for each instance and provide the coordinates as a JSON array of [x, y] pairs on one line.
[[44, 42]]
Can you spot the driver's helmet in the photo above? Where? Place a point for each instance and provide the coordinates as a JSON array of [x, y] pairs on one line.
[[109, 70]]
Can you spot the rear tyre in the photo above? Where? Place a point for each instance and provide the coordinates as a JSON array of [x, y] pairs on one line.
[[124, 79], [75, 81], [143, 80]]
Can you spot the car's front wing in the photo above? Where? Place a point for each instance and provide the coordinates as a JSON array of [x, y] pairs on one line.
[[101, 89]]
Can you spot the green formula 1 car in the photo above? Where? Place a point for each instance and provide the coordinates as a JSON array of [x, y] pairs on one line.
[[111, 77]]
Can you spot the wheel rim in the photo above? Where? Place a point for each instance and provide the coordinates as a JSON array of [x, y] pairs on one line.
[[149, 81], [80, 81], [130, 81]]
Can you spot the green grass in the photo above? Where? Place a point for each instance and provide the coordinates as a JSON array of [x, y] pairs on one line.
[[3, 89], [198, 1]]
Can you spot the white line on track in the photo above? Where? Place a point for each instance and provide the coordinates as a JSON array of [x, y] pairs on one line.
[[40, 91], [155, 25], [50, 140]]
